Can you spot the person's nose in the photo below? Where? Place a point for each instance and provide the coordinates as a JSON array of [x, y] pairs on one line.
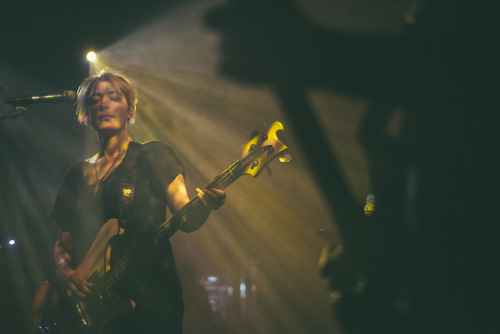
[[104, 102]]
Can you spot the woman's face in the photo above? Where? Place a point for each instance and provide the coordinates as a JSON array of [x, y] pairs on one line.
[[108, 108]]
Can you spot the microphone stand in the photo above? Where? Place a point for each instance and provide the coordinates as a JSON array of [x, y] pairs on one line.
[[14, 113]]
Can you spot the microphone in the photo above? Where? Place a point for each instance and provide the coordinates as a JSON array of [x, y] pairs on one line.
[[66, 96]]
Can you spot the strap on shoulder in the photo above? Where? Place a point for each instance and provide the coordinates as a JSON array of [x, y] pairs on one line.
[[128, 181]]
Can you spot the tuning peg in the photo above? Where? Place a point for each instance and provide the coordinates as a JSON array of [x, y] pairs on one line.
[[285, 158]]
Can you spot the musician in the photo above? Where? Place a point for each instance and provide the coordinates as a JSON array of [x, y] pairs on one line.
[[150, 295]]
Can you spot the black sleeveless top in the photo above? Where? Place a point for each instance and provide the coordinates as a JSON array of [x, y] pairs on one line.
[[80, 210]]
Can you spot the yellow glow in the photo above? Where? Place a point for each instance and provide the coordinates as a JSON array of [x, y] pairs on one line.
[[91, 56], [266, 222], [267, 228], [369, 209]]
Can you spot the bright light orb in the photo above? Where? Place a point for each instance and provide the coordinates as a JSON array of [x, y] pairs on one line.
[[91, 56]]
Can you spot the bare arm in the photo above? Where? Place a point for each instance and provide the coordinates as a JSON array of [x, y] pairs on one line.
[[177, 197], [72, 280]]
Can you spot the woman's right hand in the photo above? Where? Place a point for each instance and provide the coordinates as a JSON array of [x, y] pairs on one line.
[[74, 281]]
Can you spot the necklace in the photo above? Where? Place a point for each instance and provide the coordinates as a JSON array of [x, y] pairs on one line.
[[99, 180]]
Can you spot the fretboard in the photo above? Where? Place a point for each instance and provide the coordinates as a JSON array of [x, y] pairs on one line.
[[181, 217]]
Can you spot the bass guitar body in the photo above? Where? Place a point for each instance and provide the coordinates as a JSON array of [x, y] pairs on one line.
[[57, 311]]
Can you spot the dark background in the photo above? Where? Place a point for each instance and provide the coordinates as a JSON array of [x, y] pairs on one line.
[[49, 40], [435, 269]]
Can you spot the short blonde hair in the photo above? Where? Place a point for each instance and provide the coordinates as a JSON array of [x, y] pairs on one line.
[[87, 88]]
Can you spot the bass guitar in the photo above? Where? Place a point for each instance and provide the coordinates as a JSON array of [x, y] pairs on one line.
[[56, 312]]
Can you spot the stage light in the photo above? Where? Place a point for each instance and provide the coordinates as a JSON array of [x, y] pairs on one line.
[[243, 290], [91, 56]]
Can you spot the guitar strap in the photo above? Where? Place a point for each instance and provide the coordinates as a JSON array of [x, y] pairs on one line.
[[127, 183]]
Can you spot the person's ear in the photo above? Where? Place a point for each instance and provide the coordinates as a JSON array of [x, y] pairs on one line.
[[131, 115]]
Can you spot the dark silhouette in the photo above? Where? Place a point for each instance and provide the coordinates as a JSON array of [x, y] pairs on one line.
[[420, 262]]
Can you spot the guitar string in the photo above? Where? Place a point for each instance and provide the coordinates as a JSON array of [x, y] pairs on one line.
[[112, 275]]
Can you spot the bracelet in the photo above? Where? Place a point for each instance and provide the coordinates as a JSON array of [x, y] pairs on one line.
[[63, 261]]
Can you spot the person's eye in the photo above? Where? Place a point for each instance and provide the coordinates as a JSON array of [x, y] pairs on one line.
[[94, 100], [115, 96]]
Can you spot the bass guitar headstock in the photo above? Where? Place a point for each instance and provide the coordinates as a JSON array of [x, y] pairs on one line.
[[274, 148]]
